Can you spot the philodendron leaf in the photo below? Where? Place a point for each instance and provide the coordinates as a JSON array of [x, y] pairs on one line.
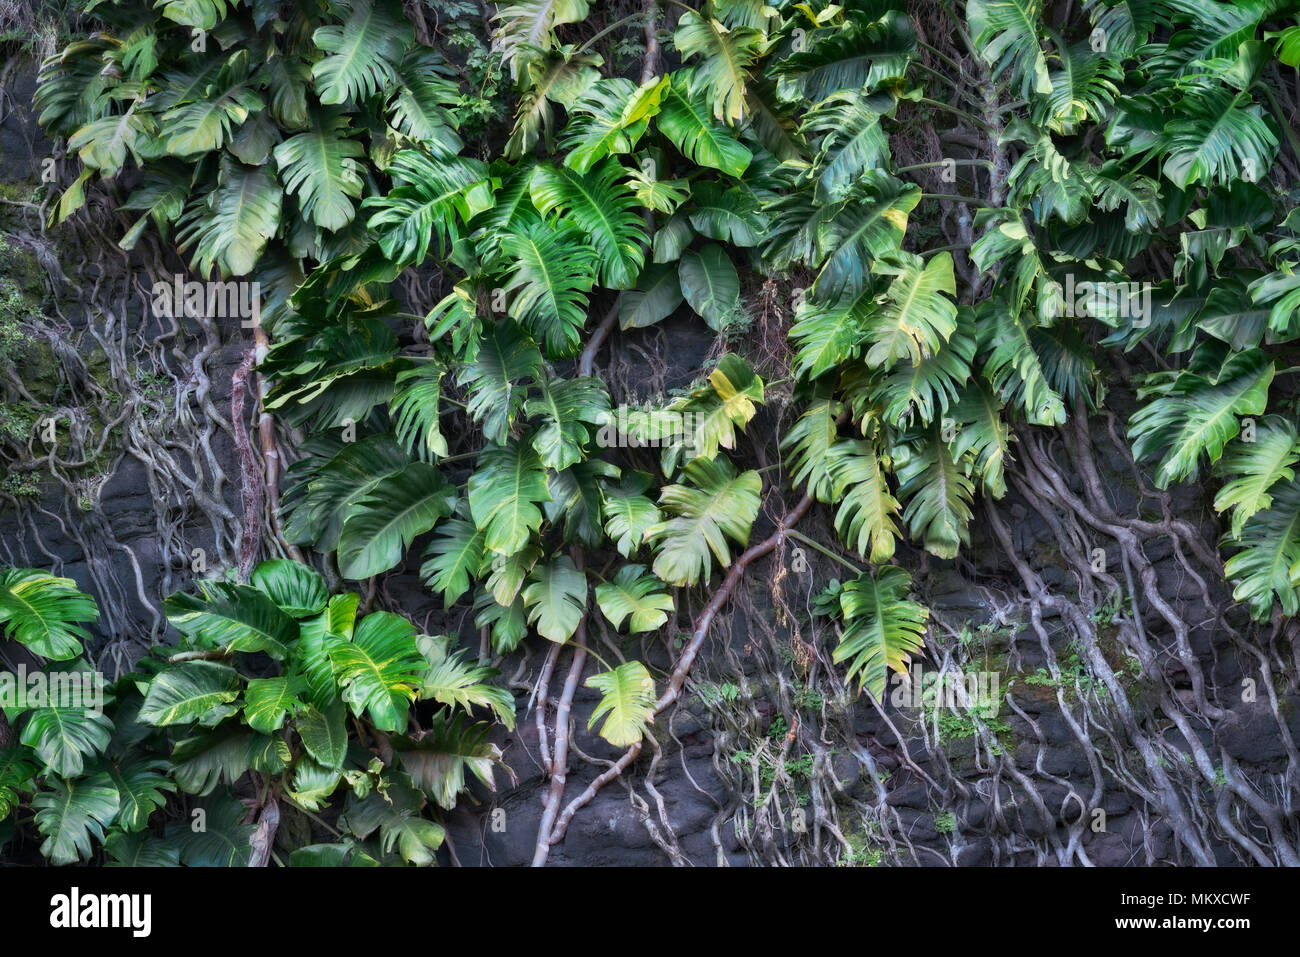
[[268, 701], [556, 598], [379, 669], [297, 589], [187, 691], [635, 596], [628, 698], [325, 734], [72, 814], [40, 611], [64, 738], [710, 284], [233, 618]]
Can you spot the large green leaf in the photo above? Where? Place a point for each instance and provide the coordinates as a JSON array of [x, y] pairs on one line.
[[566, 408], [187, 691], [867, 512], [325, 734], [506, 361], [299, 590], [321, 167], [604, 208], [379, 669], [73, 814], [380, 527], [867, 225], [1198, 412], [268, 701], [687, 120], [142, 787], [454, 558], [1253, 468], [451, 680], [437, 761], [553, 270], [363, 53], [917, 317], [634, 596], [881, 627], [627, 696], [725, 58], [233, 618], [710, 284], [228, 227], [718, 506], [504, 493], [65, 738], [41, 611], [556, 598]]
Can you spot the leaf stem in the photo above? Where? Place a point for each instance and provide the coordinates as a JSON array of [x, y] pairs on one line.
[[824, 550]]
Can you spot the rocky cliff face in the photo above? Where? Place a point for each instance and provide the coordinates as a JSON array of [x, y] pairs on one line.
[[1137, 716]]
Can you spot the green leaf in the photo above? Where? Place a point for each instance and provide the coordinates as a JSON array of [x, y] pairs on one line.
[[1198, 413], [431, 200], [628, 698], [882, 628], [142, 786], [380, 527], [72, 814], [40, 611], [228, 227], [656, 297], [556, 599], [1253, 468], [297, 589], [553, 272], [1006, 35], [415, 411], [687, 121], [504, 493], [867, 225], [633, 595], [566, 408], [866, 516], [321, 167], [141, 849], [232, 618], [452, 681], [603, 208], [917, 317], [722, 505], [609, 118], [860, 55], [1015, 369], [379, 669], [63, 738], [497, 379], [710, 284], [324, 734], [809, 444], [268, 701], [437, 760], [223, 839], [1267, 569], [187, 691], [726, 57], [629, 513], [363, 53], [938, 496]]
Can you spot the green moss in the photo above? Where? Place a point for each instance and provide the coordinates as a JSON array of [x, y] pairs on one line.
[[20, 485]]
